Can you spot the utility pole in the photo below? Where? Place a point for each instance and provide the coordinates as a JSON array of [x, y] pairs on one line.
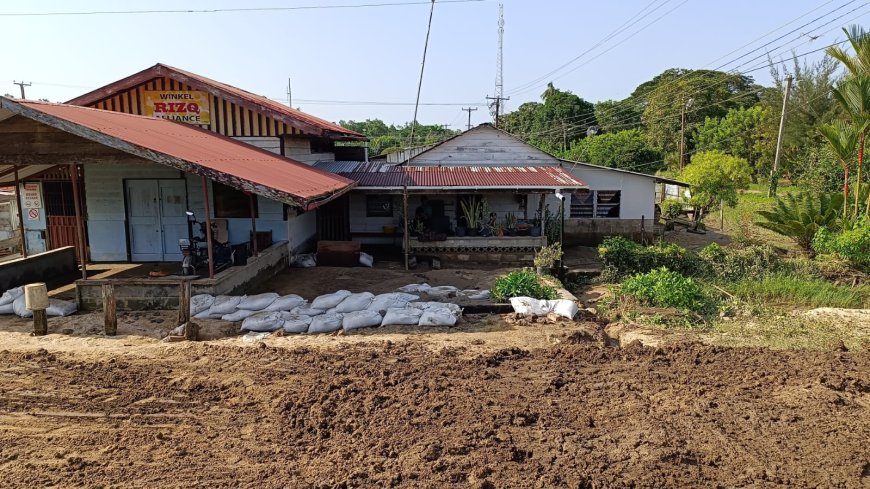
[[564, 136], [469, 110], [422, 67], [289, 94], [497, 104], [21, 85], [774, 175]]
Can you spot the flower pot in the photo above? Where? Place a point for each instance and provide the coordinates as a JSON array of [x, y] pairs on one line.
[[511, 232], [541, 270], [461, 231], [535, 231], [472, 232]]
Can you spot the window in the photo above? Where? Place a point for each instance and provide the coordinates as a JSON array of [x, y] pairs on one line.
[[588, 204], [58, 198], [583, 204], [230, 202], [379, 206], [322, 145]]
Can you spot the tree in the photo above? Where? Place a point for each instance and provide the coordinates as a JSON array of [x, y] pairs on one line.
[[740, 133], [842, 140], [801, 216], [553, 125], [617, 115], [627, 150], [715, 178], [387, 139]]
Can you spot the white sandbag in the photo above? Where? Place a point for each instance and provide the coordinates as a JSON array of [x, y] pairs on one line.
[[563, 307], [257, 302], [19, 309], [307, 260], [391, 300], [328, 301], [225, 304], [10, 295], [286, 303], [360, 319], [200, 302], [7, 308], [434, 306], [437, 317], [263, 321], [239, 315], [207, 314], [477, 295], [527, 306], [306, 310], [402, 316], [57, 307], [415, 288], [355, 302], [366, 259], [325, 323], [442, 291], [297, 324], [254, 338]]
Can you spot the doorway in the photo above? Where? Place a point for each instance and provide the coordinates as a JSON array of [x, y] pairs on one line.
[[156, 218]]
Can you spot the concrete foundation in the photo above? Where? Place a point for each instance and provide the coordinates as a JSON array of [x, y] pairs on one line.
[[162, 293], [589, 232], [44, 267]]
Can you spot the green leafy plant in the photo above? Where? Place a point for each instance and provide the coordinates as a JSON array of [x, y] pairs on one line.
[[473, 212], [522, 283], [548, 255], [852, 245], [800, 216], [510, 221], [664, 288], [671, 209], [622, 257], [736, 264]]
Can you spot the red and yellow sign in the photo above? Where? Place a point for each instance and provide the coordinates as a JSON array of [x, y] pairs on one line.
[[183, 106]]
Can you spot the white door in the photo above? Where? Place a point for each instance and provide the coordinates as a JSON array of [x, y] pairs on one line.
[[156, 218]]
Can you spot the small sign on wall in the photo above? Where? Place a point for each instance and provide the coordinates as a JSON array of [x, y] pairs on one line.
[[32, 196], [192, 107], [32, 214]]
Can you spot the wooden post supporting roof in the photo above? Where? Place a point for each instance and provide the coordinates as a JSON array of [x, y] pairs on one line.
[[251, 198], [208, 238], [80, 230], [20, 213], [405, 240]]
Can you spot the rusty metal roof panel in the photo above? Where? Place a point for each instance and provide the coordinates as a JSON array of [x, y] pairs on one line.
[[193, 150], [372, 174]]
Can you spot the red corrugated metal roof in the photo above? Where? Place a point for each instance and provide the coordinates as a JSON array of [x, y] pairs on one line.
[[479, 177], [193, 150], [254, 102]]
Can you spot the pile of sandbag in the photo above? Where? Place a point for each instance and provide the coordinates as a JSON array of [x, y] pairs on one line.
[[442, 292], [12, 302], [527, 306]]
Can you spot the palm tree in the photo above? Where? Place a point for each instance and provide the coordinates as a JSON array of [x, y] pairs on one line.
[[842, 139], [853, 94], [549, 92]]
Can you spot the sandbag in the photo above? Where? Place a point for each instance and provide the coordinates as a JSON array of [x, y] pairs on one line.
[[257, 302], [402, 316], [391, 300], [207, 314], [239, 315], [286, 303], [355, 302], [7, 309], [527, 306], [437, 317], [366, 259], [360, 319], [563, 307], [200, 302], [477, 295], [431, 306], [307, 260], [415, 288], [10, 295], [19, 309], [325, 323], [306, 310], [442, 291], [57, 307], [263, 321], [328, 301], [225, 304], [297, 324]]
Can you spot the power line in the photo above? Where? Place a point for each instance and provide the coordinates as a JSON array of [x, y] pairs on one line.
[[228, 10], [422, 67]]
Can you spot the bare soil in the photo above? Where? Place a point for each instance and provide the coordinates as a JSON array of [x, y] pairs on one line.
[[556, 408]]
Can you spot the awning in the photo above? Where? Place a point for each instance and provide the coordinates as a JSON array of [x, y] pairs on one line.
[[189, 149]]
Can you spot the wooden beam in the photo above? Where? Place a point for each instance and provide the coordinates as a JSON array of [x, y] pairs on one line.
[[184, 302], [20, 213], [110, 316], [208, 237], [40, 322], [80, 230]]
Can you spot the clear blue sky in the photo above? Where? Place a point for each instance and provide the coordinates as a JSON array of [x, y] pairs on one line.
[[373, 54]]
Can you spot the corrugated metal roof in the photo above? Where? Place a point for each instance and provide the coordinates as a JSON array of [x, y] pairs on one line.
[[193, 150], [373, 174], [254, 102]]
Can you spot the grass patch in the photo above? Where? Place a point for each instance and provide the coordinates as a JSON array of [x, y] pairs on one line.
[[788, 333], [738, 219], [800, 292]]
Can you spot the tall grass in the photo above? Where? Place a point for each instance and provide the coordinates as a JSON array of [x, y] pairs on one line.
[[799, 292]]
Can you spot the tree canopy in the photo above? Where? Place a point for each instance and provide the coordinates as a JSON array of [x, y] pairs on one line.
[[384, 139]]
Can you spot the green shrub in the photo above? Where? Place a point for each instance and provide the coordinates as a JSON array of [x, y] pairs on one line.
[[671, 209], [622, 257], [795, 291], [852, 245], [800, 216], [664, 288], [522, 283], [735, 264]]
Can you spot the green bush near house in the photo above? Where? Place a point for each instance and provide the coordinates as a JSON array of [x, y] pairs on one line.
[[852, 245], [622, 257], [735, 264], [522, 283], [664, 288]]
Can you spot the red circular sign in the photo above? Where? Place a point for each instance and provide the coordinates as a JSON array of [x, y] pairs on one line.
[[33, 213]]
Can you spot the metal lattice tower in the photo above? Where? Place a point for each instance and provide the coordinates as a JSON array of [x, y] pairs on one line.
[[499, 83]]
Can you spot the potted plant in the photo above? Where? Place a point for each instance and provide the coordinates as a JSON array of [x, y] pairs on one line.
[[473, 213], [499, 230], [510, 224], [523, 228], [547, 256], [536, 225]]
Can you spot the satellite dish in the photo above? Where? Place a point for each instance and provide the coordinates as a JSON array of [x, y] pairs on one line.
[[593, 130]]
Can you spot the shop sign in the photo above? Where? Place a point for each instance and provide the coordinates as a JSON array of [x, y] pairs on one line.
[[32, 195], [183, 106]]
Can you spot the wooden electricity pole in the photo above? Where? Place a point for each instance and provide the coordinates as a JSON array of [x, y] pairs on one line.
[[497, 102], [774, 175], [469, 110], [21, 85]]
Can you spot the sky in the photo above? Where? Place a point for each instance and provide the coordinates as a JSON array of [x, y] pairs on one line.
[[373, 54]]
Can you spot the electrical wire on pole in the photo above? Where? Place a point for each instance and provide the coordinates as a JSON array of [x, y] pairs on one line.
[[422, 68]]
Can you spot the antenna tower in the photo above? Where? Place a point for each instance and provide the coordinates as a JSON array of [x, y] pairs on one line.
[[497, 106]]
